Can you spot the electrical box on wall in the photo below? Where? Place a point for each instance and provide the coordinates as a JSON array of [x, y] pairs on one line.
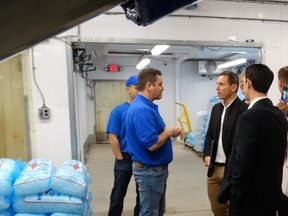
[[44, 112]]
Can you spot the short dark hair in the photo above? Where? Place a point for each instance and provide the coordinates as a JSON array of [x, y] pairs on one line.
[[147, 75], [232, 78], [283, 75], [260, 76]]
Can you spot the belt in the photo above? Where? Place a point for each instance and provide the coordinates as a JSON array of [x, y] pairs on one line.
[[139, 164], [219, 164]]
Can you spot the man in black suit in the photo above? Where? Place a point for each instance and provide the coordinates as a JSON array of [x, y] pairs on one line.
[[257, 157], [282, 105], [219, 136]]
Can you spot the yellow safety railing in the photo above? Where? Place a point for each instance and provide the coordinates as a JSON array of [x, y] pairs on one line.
[[183, 119]]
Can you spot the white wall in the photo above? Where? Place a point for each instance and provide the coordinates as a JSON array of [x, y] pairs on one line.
[[195, 91], [167, 105], [273, 35], [66, 94], [84, 126], [53, 136]]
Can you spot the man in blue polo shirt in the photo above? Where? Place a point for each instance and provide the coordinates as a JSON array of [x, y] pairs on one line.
[[149, 143], [123, 162]]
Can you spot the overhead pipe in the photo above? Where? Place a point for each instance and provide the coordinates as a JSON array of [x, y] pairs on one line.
[[213, 17]]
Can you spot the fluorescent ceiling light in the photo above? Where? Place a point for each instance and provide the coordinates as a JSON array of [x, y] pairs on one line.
[[232, 63], [158, 49], [143, 63]]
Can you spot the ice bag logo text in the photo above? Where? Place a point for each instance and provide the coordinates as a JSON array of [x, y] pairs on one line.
[[34, 165], [76, 166]]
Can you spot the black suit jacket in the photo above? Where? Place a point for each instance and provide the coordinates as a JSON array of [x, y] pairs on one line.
[[211, 140], [253, 181]]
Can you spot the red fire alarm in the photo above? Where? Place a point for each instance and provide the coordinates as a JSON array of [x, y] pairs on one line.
[[113, 68]]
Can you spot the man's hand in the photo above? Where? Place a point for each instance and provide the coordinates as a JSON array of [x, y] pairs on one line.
[[173, 131], [207, 161], [169, 131], [282, 106], [177, 131]]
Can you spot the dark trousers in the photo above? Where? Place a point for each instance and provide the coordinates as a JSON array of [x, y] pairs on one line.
[[122, 176], [283, 210], [238, 210], [256, 213]]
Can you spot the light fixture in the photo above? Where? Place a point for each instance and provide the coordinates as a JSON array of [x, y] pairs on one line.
[[143, 63], [232, 63], [158, 49]]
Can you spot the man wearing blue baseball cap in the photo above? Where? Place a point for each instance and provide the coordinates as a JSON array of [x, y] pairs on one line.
[[123, 163]]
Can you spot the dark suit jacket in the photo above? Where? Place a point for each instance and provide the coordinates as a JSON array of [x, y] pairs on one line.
[[255, 167], [231, 116]]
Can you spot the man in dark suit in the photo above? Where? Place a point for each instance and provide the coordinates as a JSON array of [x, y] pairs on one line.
[[282, 105], [257, 157], [219, 136]]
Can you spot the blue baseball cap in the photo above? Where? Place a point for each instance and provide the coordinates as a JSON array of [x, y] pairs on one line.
[[133, 80]]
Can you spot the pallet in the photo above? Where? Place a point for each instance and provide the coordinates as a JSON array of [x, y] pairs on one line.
[[199, 154], [188, 145]]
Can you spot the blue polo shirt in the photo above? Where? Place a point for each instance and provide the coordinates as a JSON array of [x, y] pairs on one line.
[[144, 124], [116, 124]]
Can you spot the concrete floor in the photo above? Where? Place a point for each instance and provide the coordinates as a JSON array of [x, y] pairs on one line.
[[186, 190]]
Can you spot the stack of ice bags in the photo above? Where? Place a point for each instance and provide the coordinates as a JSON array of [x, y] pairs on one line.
[[191, 139], [200, 130], [71, 178], [35, 178], [9, 171], [63, 193], [52, 202], [196, 138]]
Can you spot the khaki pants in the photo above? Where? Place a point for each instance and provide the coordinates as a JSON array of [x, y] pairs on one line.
[[213, 186]]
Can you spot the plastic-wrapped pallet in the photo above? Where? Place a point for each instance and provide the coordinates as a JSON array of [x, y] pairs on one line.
[[191, 139], [71, 178], [212, 101], [9, 172], [35, 178], [200, 130], [51, 202], [240, 95]]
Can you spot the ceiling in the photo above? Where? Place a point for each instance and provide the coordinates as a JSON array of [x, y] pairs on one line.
[[179, 52], [27, 23], [262, 1], [208, 55]]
